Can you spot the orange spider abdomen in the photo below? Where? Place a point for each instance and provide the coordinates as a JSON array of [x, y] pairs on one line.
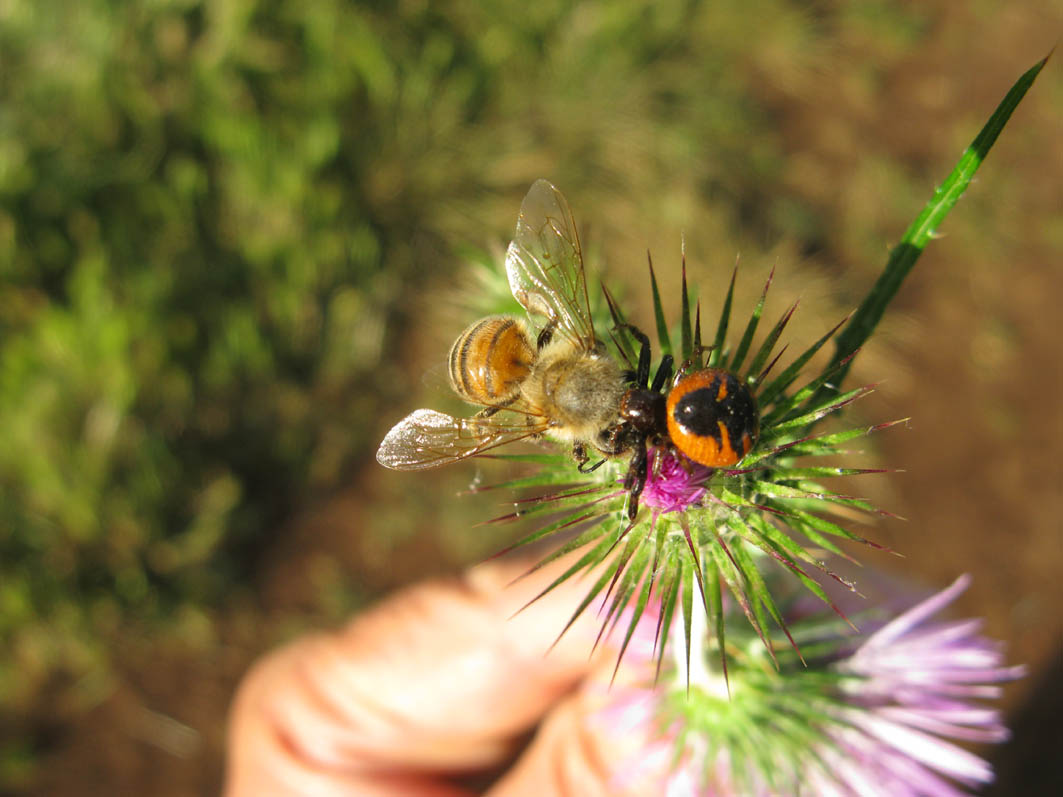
[[712, 417]]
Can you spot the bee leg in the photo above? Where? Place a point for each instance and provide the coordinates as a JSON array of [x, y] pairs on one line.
[[545, 336], [579, 453], [592, 468], [487, 412]]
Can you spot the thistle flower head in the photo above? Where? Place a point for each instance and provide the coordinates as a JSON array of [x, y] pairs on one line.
[[703, 531], [822, 718], [878, 715]]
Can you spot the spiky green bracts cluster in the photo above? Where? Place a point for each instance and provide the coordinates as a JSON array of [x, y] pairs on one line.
[[821, 716], [718, 528], [702, 533]]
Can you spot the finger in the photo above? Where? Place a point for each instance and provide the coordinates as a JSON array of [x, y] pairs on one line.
[[598, 742], [440, 677], [281, 736]]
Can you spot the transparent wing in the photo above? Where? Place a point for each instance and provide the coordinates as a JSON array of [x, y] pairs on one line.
[[428, 439], [545, 265]]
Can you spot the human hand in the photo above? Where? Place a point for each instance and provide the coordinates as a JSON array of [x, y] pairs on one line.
[[438, 681]]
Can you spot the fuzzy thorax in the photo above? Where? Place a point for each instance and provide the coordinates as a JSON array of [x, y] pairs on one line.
[[579, 391]]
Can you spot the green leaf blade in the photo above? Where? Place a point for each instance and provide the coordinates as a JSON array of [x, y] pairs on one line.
[[915, 239]]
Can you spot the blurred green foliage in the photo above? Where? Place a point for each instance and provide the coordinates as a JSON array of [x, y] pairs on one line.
[[193, 298], [207, 213]]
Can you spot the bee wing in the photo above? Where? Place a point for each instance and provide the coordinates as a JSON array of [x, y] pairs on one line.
[[428, 439], [544, 264]]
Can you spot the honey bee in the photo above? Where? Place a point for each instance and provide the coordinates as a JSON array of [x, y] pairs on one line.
[[547, 376]]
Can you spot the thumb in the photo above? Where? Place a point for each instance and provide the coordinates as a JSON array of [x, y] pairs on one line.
[[598, 742]]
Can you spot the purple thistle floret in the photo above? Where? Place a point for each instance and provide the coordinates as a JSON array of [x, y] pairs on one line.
[[672, 484], [910, 694], [880, 720]]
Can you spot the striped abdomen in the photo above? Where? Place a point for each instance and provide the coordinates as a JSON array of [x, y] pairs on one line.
[[490, 359]]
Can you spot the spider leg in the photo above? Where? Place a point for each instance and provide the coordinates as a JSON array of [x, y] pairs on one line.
[[635, 480], [664, 372], [642, 372]]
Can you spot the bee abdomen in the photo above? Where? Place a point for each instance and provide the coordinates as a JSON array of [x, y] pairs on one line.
[[490, 360]]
